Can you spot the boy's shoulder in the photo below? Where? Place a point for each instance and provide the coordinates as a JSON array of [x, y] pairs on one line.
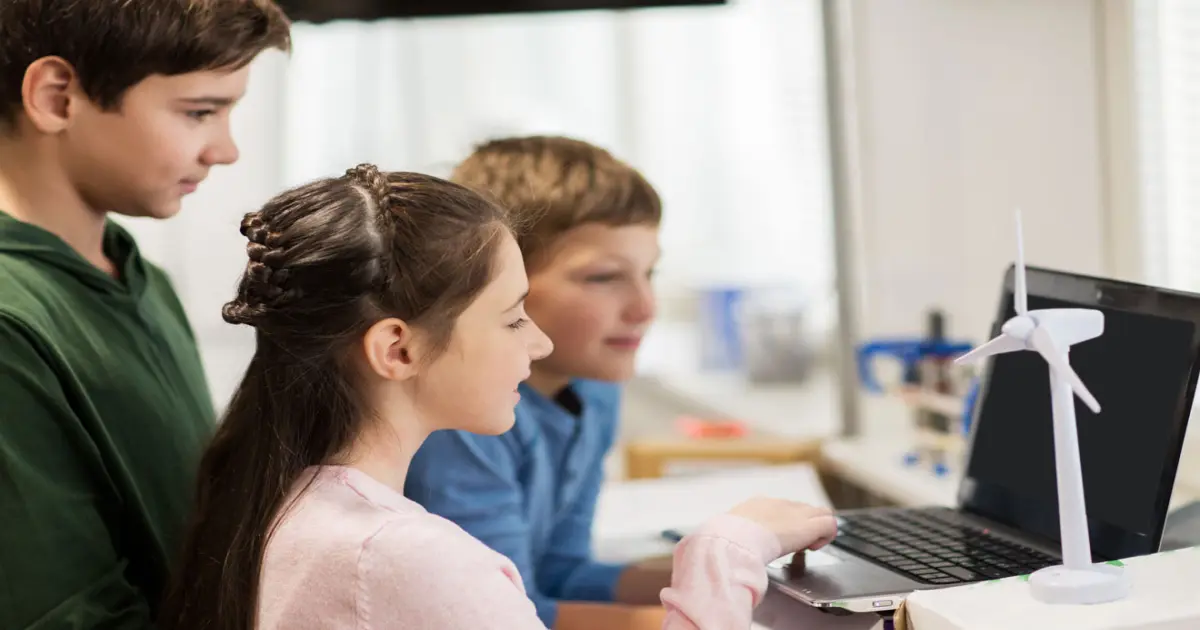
[[599, 401], [471, 453], [27, 293], [38, 279], [602, 394], [601, 404]]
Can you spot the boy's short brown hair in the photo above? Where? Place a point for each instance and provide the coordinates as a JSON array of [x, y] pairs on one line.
[[115, 44], [551, 184]]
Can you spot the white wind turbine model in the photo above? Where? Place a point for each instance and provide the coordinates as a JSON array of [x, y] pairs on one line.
[[1051, 333]]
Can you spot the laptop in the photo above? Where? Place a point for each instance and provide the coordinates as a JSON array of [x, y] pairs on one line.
[[1143, 370]]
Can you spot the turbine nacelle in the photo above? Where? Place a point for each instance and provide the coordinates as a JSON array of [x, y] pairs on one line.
[[1049, 332]]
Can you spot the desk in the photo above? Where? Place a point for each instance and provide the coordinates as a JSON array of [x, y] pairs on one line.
[[650, 458], [1162, 597]]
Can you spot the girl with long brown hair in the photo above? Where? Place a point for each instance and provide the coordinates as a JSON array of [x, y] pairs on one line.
[[388, 306]]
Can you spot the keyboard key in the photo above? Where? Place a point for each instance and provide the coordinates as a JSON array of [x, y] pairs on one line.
[[944, 580], [991, 572], [965, 574], [861, 546]]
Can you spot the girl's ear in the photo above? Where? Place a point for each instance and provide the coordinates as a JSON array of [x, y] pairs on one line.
[[391, 349]]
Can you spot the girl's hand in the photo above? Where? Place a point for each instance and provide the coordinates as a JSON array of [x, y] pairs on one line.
[[798, 526]]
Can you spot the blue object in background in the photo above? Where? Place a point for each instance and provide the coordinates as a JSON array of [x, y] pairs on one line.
[[969, 406], [909, 351], [720, 332]]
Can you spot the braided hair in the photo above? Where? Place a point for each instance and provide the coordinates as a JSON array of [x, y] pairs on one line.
[[265, 288], [265, 277], [326, 261]]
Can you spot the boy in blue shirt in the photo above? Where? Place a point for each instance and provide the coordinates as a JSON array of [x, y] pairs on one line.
[[590, 242]]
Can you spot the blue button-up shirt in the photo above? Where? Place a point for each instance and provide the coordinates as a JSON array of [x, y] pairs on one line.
[[530, 493]]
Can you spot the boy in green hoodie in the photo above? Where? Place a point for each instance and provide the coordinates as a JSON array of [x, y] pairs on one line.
[[105, 106]]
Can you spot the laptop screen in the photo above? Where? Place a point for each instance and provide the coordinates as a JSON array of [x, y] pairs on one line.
[[1142, 371]]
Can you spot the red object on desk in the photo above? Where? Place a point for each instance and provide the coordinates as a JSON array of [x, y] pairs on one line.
[[701, 428]]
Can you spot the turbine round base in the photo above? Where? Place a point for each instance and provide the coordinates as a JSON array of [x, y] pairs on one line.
[[1096, 584]]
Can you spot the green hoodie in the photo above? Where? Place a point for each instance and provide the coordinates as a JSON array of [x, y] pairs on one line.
[[104, 412]]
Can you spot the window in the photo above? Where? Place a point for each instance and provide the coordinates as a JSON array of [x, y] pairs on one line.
[[1166, 58], [723, 109], [1168, 104]]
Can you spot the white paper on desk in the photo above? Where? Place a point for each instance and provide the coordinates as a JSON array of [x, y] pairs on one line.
[[1164, 597], [633, 509], [631, 515]]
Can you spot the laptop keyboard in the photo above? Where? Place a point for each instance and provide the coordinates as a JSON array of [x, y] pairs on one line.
[[935, 546]]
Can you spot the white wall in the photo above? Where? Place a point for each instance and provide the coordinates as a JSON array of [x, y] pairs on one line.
[[965, 110]]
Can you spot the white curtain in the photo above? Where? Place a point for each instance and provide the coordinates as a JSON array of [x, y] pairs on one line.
[[1168, 106], [1167, 63], [721, 107]]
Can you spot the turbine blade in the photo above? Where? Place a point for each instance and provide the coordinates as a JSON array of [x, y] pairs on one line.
[[1020, 293], [1044, 344], [999, 345]]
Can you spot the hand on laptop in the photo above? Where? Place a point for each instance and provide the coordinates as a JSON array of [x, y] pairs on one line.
[[798, 526]]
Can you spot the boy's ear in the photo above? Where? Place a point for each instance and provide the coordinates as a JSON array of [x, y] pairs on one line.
[[47, 92], [392, 350]]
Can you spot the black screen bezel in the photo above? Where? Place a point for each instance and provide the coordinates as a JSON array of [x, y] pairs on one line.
[[1107, 541]]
